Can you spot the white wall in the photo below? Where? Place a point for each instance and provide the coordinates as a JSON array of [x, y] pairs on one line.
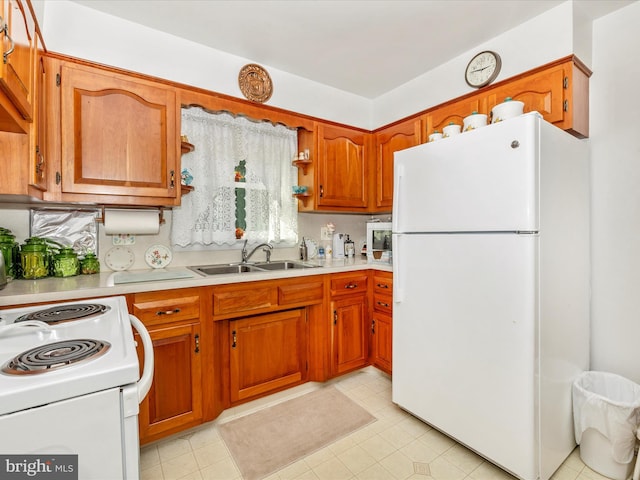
[[615, 147], [541, 40], [78, 31], [109, 40]]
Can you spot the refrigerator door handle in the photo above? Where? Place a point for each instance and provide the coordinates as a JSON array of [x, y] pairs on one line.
[[398, 279], [397, 210]]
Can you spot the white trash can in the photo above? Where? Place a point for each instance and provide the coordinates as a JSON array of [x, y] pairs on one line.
[[606, 414]]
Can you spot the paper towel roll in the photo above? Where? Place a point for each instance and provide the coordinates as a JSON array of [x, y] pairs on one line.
[[128, 221]]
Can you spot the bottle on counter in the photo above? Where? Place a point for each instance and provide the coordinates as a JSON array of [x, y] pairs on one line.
[[349, 248]]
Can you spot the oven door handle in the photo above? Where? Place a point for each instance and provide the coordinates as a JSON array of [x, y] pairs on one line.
[[146, 379]]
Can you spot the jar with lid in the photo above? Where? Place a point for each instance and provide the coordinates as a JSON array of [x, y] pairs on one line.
[[10, 250], [90, 264], [34, 258], [66, 263]]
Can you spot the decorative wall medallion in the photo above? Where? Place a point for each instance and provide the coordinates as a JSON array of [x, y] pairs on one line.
[[255, 83]]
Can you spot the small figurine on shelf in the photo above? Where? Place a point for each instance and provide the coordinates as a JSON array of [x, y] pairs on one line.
[[186, 177]]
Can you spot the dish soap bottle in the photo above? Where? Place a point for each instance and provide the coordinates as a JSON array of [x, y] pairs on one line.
[[303, 250]]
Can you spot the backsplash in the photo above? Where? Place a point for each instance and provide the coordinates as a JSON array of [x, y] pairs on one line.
[[309, 225]]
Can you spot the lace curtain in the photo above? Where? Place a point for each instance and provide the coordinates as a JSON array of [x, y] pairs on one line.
[[236, 158]]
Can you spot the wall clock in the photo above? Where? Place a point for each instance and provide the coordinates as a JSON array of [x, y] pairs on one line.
[[255, 83], [483, 69]]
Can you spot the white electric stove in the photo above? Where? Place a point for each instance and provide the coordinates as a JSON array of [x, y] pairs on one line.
[[70, 385]]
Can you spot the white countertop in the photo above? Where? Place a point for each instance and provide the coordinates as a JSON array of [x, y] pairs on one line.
[[53, 289]]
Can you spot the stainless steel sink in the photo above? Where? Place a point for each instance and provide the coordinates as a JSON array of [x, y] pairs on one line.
[[283, 265], [226, 268]]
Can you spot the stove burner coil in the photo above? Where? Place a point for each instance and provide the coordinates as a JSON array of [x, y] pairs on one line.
[[65, 313], [55, 355]]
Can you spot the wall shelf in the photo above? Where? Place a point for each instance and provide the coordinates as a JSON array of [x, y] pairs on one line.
[[303, 197], [303, 164], [187, 147]]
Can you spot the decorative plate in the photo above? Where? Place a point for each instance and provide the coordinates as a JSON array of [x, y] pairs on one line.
[[255, 83], [119, 258], [158, 256]]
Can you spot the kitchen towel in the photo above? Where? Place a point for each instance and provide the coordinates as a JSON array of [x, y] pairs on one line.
[[131, 221]]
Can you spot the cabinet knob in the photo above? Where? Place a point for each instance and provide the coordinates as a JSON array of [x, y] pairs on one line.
[[335, 317], [197, 341], [234, 339], [373, 326], [172, 182], [351, 286], [321, 191], [168, 312], [382, 285]]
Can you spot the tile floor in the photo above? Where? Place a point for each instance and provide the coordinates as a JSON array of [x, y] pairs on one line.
[[395, 447]]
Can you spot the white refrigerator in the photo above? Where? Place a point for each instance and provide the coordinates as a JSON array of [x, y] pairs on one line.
[[491, 289]]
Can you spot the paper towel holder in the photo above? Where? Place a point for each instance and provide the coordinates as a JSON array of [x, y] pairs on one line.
[[100, 219]]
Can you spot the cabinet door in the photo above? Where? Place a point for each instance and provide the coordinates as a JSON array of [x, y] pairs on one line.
[[560, 94], [454, 112], [541, 92], [18, 56], [342, 176], [175, 399], [268, 353], [381, 331], [349, 333], [38, 148], [388, 141], [118, 134]]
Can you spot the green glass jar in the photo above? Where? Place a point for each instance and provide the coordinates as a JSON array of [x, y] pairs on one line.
[[66, 263], [90, 264], [10, 250], [34, 258]]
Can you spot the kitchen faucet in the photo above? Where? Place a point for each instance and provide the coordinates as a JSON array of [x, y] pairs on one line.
[[267, 247]]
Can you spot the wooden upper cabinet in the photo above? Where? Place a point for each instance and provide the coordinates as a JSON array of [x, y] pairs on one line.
[[559, 93], [454, 111], [388, 141], [17, 68], [118, 136], [342, 169]]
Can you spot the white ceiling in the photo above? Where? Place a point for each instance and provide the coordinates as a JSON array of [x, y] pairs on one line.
[[361, 46]]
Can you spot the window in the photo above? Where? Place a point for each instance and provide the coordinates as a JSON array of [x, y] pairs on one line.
[[242, 177]]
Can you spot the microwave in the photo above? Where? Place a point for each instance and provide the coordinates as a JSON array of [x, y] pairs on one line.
[[379, 245]]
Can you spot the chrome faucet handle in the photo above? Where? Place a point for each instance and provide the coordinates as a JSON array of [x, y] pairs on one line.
[[244, 250], [267, 251]]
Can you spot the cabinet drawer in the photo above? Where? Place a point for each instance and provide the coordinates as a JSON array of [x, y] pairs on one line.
[[345, 285], [156, 307], [382, 303], [234, 299], [382, 285], [307, 292]]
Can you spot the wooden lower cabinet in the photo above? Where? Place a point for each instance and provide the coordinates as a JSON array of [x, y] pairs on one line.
[[381, 328], [349, 339], [268, 353], [175, 400]]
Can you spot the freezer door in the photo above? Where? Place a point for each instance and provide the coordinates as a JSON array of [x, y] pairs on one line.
[[481, 180], [464, 341]]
